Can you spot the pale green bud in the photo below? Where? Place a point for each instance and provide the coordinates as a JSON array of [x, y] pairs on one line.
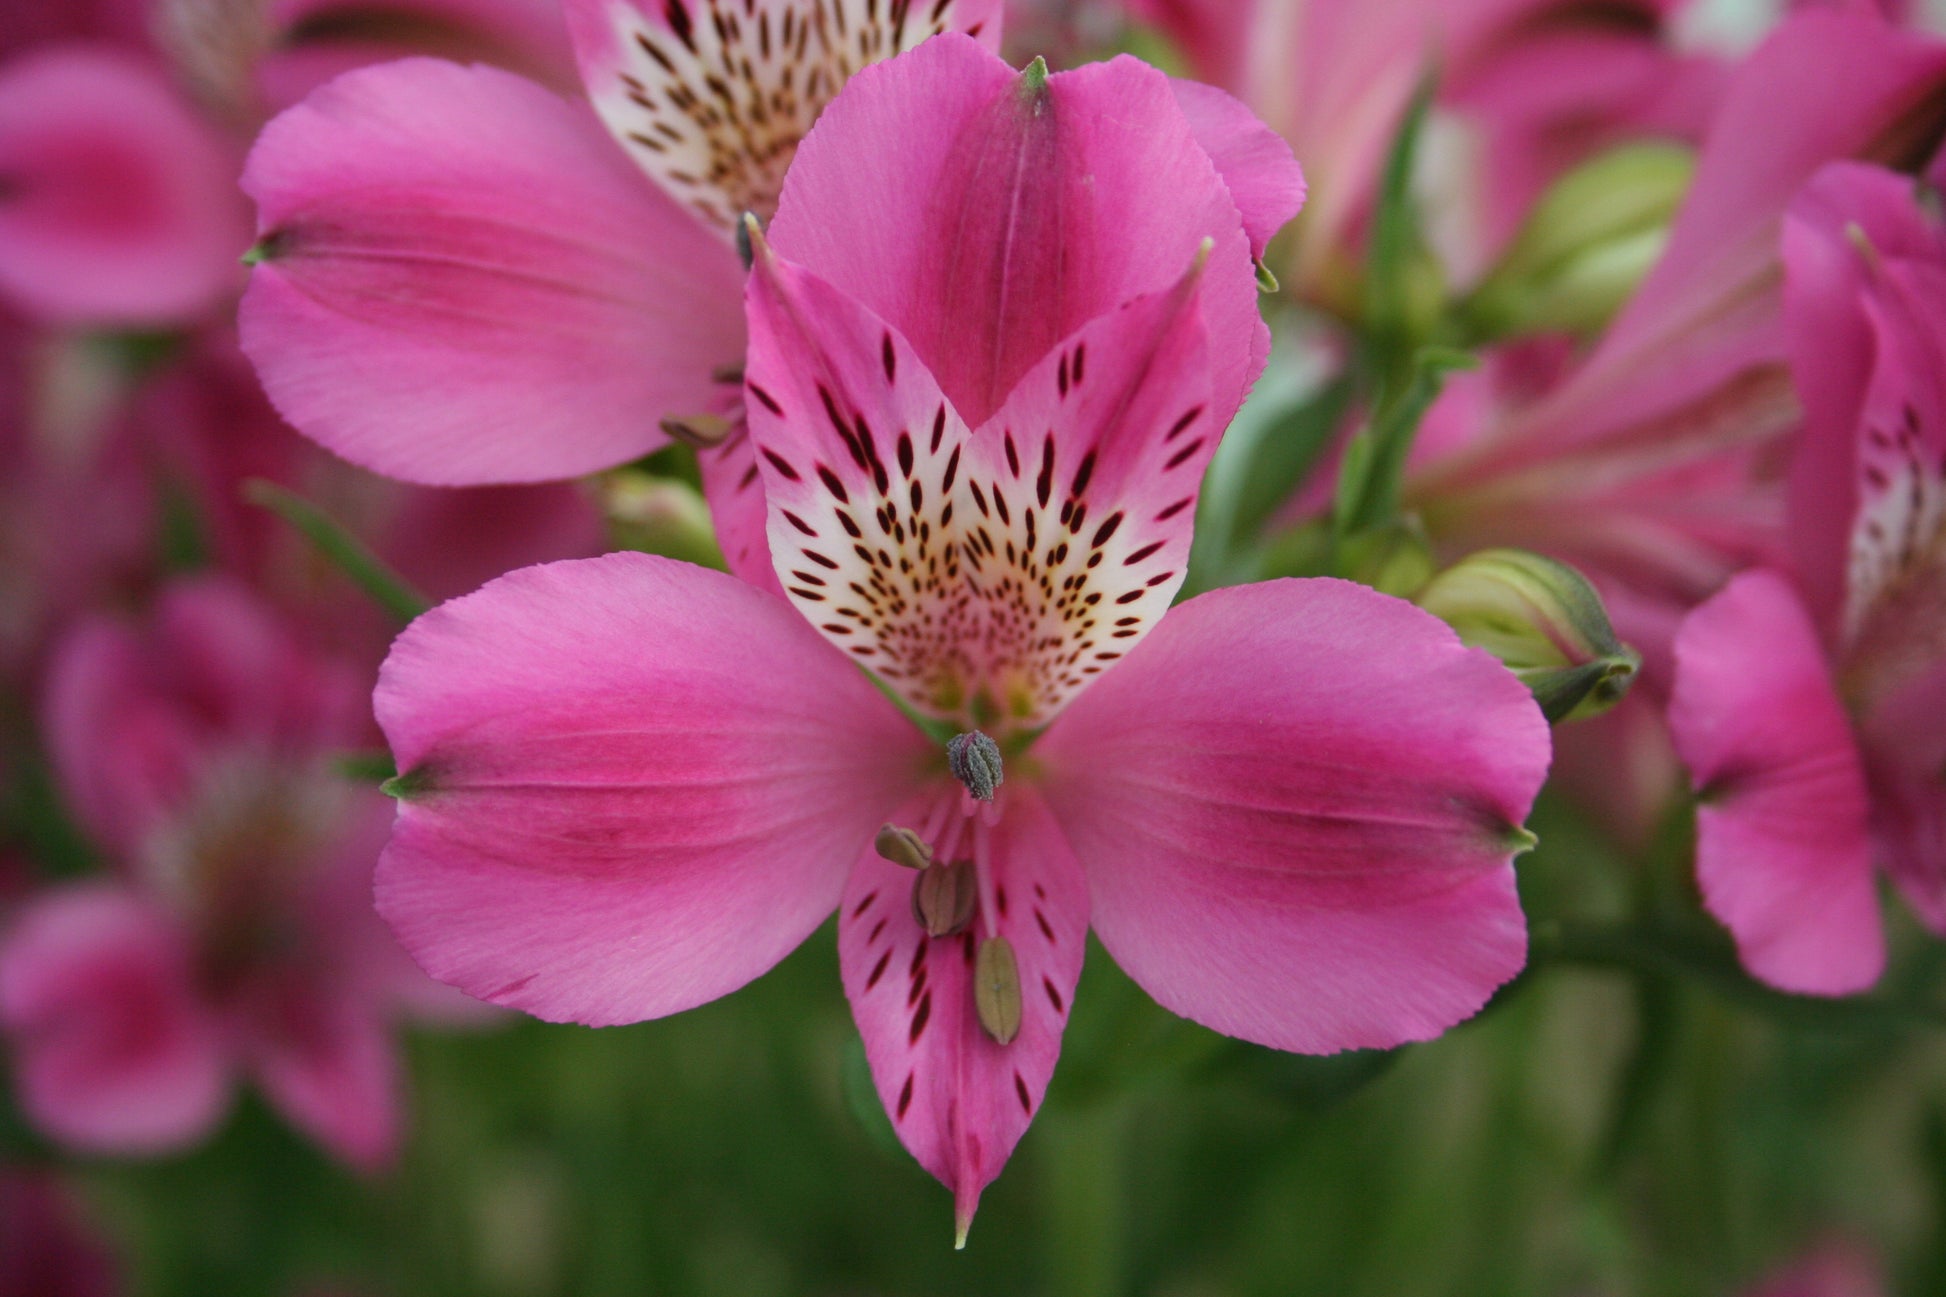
[[1544, 621], [659, 515], [1587, 243]]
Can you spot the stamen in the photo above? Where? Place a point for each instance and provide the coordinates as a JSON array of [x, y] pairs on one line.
[[902, 846], [975, 761], [996, 989], [945, 898], [703, 431]]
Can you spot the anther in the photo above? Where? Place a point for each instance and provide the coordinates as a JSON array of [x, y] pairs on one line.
[[749, 233], [975, 761], [945, 897], [996, 989], [703, 431], [902, 847]]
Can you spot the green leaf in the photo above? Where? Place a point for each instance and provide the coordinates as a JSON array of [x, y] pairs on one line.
[[342, 549]]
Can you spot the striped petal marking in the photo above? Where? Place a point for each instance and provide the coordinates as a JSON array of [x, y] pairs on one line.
[[986, 574], [712, 96]]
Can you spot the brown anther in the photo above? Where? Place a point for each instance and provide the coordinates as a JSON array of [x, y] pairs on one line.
[[703, 431], [945, 898], [996, 989], [902, 847], [728, 374]]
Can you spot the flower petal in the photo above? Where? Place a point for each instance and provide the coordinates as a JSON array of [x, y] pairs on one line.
[[1841, 231], [711, 98], [630, 786], [327, 1061], [738, 510], [986, 216], [1296, 803], [960, 1100], [948, 562], [112, 1050], [1256, 164], [465, 282], [1783, 853], [116, 207]]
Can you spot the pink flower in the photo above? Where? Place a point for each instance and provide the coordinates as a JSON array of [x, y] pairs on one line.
[[630, 786], [467, 279], [238, 935], [1811, 708], [47, 1248], [1655, 464]]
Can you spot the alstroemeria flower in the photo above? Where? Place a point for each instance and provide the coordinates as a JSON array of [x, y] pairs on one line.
[[1655, 464], [467, 279], [1289, 810], [1811, 709], [238, 937]]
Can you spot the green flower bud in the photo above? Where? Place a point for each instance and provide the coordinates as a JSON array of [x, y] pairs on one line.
[[1544, 621], [659, 515], [1586, 244]]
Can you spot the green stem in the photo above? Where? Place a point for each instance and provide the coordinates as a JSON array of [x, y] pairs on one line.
[[345, 551], [1082, 1159]]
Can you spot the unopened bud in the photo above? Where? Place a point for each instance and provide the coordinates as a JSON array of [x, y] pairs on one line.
[[975, 761], [1394, 560], [1587, 242], [659, 515], [996, 989], [902, 847], [1544, 621], [945, 898]]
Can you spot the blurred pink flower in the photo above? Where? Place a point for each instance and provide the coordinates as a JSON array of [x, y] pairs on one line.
[[1656, 464], [1544, 82], [237, 936], [1811, 709], [47, 1248], [1833, 1269]]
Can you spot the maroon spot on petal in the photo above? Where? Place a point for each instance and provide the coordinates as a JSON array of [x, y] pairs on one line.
[[833, 485], [1053, 995], [905, 1098], [890, 358], [1143, 553], [765, 399], [878, 970], [798, 522], [1180, 457], [920, 1017], [1044, 483], [865, 904], [1013, 456], [1046, 930], [918, 959], [1000, 899], [1181, 425], [878, 929], [781, 464], [1020, 1092]]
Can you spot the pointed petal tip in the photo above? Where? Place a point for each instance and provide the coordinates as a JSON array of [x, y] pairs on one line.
[[1033, 79], [966, 1201]]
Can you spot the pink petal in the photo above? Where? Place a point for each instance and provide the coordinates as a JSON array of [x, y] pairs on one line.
[[1705, 312], [1297, 803], [737, 509], [1256, 164], [113, 1052], [959, 1100], [1782, 850], [1902, 736], [467, 282], [986, 221], [117, 207], [945, 561], [1835, 348], [327, 1061], [635, 785], [135, 718], [711, 100]]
